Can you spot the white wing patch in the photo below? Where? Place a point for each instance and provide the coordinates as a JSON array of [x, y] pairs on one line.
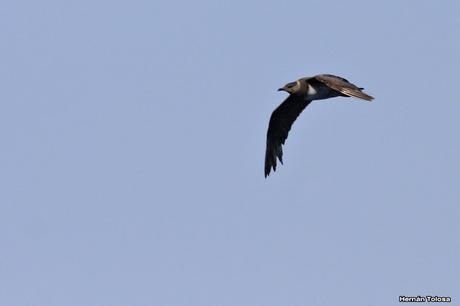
[[312, 92]]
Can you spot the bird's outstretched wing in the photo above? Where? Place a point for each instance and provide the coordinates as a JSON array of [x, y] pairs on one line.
[[343, 86], [278, 129]]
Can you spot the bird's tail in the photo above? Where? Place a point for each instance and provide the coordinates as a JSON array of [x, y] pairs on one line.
[[357, 93]]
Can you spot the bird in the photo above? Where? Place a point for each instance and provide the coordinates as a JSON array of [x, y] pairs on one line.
[[301, 93]]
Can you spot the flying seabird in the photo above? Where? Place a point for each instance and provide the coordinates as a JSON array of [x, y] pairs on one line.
[[301, 93]]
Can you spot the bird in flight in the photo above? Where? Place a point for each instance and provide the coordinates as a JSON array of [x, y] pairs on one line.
[[301, 93]]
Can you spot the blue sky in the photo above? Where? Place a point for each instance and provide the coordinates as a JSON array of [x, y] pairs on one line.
[[133, 137]]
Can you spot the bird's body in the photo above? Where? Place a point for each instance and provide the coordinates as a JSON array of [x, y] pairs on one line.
[[302, 92]]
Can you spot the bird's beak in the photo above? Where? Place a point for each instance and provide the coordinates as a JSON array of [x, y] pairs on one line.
[[282, 89]]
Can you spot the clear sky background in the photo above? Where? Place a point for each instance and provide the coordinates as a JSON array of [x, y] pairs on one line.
[[132, 148]]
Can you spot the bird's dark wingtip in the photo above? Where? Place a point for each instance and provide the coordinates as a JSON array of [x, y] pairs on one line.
[[268, 168], [267, 172]]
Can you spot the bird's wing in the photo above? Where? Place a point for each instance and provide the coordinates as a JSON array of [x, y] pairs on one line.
[[278, 129], [343, 86]]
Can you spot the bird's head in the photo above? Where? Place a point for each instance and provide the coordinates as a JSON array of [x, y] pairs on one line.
[[290, 87]]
